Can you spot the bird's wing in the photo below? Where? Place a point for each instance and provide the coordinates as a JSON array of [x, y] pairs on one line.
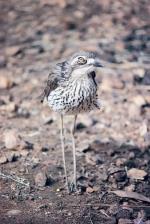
[[57, 76]]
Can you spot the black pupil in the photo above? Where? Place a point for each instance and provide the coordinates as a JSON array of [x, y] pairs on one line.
[[81, 60]]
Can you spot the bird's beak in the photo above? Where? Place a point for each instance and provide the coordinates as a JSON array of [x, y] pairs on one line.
[[98, 64]]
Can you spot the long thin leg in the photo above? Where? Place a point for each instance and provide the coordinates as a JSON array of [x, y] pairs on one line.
[[74, 153], [63, 149]]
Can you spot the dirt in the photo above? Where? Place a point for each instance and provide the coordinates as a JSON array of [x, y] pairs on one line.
[[112, 144]]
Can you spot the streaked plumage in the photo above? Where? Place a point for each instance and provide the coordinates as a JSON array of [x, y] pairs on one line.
[[72, 89], [71, 95]]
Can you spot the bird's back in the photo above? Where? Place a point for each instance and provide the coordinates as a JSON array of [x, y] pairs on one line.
[[57, 77]]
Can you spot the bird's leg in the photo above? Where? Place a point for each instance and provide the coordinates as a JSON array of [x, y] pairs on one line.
[[63, 149], [74, 154]]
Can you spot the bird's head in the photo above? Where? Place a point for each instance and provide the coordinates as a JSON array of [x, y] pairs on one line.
[[84, 63]]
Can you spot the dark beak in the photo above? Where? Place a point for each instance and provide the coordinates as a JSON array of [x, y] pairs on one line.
[[98, 64]]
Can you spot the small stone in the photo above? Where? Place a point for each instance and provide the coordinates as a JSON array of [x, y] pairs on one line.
[[13, 212], [124, 221], [131, 155], [24, 153], [136, 174], [130, 188], [146, 78], [143, 129], [40, 179], [89, 190], [143, 79], [10, 107], [12, 50], [11, 139], [13, 156], [32, 51], [45, 149], [139, 100], [83, 147], [5, 82], [120, 176], [120, 161], [93, 159], [23, 112], [3, 159], [3, 61], [139, 72], [46, 118]]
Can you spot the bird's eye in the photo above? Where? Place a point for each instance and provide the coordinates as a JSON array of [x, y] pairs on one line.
[[82, 61]]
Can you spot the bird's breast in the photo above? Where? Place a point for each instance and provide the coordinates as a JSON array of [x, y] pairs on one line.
[[75, 96]]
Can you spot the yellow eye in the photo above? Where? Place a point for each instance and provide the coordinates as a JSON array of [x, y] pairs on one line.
[[82, 61]]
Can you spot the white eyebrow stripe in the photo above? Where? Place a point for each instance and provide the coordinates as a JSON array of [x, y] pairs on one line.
[[74, 60]]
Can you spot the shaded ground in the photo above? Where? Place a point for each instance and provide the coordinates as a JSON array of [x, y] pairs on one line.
[[110, 143]]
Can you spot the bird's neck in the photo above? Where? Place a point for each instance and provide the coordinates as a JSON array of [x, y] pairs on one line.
[[81, 74]]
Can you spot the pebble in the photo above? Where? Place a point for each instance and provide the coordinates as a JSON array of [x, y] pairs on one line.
[[23, 112], [13, 156], [136, 174], [24, 153], [3, 159], [146, 78], [90, 190], [10, 107], [11, 139], [5, 82], [143, 79], [130, 188], [139, 100], [139, 72], [83, 147], [12, 50], [143, 129], [13, 212], [118, 177], [3, 61], [131, 155], [40, 179], [124, 221], [120, 161]]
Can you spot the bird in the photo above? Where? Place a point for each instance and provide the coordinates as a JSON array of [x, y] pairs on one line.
[[71, 89]]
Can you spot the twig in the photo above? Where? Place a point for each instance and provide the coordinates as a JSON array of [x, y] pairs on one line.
[[90, 216], [104, 213], [17, 179]]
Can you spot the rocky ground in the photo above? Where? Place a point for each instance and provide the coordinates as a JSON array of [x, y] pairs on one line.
[[113, 145]]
